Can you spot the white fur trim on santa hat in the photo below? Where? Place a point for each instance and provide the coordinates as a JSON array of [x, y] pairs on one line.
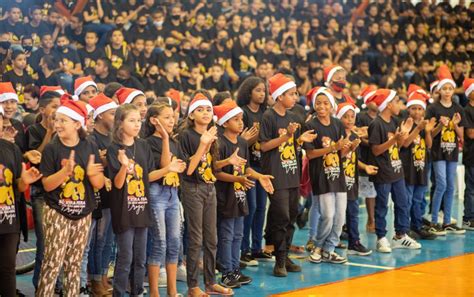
[[104, 108], [366, 97], [469, 90], [345, 109], [232, 113], [445, 81], [72, 114], [8, 96], [132, 96], [201, 102], [332, 72], [387, 100], [324, 91], [416, 102], [83, 86], [282, 89]]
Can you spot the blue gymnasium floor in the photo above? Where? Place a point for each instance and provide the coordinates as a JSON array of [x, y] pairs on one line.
[[265, 284]]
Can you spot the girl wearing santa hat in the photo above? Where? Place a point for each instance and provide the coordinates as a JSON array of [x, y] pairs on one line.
[[445, 151], [71, 169], [468, 155], [133, 96], [198, 147], [84, 89]]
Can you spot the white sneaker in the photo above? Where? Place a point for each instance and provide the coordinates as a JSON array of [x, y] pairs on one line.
[[383, 245], [406, 242], [162, 280], [181, 275], [315, 256]]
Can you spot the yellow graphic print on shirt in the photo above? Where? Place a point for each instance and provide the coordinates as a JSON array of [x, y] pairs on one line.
[[331, 162], [73, 192], [205, 169], [255, 149], [448, 138], [136, 199], [171, 179], [7, 197], [238, 187], [418, 153], [19, 88], [349, 169], [287, 154], [394, 156]]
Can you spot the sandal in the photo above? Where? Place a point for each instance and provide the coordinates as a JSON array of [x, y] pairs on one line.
[[216, 289], [197, 292]]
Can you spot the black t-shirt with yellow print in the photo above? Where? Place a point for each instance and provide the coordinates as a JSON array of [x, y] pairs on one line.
[[231, 197], [250, 118], [156, 144], [281, 162], [89, 59], [130, 205], [189, 140], [117, 57], [350, 164], [389, 162], [74, 199], [326, 172], [415, 160], [10, 171]]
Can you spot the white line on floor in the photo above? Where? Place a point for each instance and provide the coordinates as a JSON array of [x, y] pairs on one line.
[[369, 266]]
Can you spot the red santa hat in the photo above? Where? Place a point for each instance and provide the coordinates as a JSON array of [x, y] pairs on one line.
[[468, 85], [382, 97], [444, 77], [126, 95], [81, 84], [329, 73], [7, 92], [175, 96], [56, 89], [315, 92], [198, 101], [279, 84], [365, 94], [416, 99], [433, 86], [76, 110], [226, 111], [415, 89], [101, 104], [345, 107]]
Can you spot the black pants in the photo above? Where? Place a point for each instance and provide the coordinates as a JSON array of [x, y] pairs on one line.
[[281, 221], [8, 248]]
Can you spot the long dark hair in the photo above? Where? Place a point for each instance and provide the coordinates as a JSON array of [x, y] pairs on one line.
[[153, 111], [244, 94], [121, 113]]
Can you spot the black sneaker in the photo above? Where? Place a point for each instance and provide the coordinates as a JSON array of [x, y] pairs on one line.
[[242, 278], [84, 292], [453, 229], [437, 229], [426, 222], [229, 280], [248, 260], [425, 234], [242, 265], [358, 249], [333, 258], [468, 225], [263, 256], [413, 234], [279, 270], [291, 266]]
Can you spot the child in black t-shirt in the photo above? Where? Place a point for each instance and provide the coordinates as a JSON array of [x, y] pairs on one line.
[[385, 138], [14, 179], [351, 164], [327, 176], [71, 170], [216, 82], [234, 176], [116, 51], [165, 235], [280, 139], [18, 76], [197, 146], [468, 156], [445, 151]]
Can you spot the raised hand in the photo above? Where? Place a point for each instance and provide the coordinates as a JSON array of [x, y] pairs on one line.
[[266, 182], [33, 156], [161, 130], [308, 136], [342, 143], [70, 163], [444, 121], [456, 118], [209, 136], [371, 170], [246, 182], [177, 165], [355, 143], [422, 124], [248, 134], [123, 159], [430, 125], [93, 168], [31, 175], [291, 129], [236, 160], [406, 126]]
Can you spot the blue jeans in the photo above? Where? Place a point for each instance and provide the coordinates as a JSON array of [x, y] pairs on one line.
[[131, 258], [469, 194], [85, 257], [166, 230], [332, 208], [314, 217], [37, 203], [229, 238], [101, 246], [416, 195], [254, 221], [352, 221], [445, 172], [400, 200]]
